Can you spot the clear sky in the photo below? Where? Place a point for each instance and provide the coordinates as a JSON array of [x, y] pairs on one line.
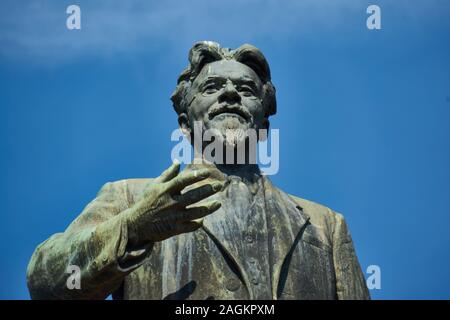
[[363, 116]]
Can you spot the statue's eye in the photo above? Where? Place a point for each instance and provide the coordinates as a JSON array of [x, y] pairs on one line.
[[246, 91], [210, 89]]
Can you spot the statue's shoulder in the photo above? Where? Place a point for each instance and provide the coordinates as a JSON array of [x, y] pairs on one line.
[[319, 214]]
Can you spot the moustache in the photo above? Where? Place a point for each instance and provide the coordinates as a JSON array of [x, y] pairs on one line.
[[234, 109]]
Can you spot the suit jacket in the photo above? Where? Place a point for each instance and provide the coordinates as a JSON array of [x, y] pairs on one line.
[[310, 248]]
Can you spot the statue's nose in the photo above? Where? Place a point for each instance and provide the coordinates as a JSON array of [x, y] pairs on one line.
[[230, 93]]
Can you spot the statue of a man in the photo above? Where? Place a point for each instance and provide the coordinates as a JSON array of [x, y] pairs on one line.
[[212, 231]]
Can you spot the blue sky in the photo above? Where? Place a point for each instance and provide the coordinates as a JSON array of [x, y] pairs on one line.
[[363, 117]]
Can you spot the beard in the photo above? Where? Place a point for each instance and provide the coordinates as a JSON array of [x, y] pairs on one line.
[[228, 139], [230, 131]]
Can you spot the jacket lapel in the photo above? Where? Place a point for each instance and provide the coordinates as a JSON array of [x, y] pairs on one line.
[[228, 250], [286, 222]]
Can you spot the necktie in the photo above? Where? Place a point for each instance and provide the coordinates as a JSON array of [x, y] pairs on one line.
[[239, 198]]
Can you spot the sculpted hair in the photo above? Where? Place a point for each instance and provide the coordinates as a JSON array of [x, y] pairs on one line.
[[205, 52]]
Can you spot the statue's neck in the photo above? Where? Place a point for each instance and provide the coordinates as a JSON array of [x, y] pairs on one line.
[[250, 173], [240, 170]]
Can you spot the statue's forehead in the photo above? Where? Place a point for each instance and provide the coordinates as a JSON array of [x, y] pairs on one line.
[[227, 69]]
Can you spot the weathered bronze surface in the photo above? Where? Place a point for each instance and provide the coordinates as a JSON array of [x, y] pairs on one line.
[[212, 231]]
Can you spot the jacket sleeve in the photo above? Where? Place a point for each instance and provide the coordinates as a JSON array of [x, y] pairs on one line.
[[350, 282], [95, 244]]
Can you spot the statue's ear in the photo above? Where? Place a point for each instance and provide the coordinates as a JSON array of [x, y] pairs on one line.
[[185, 127]]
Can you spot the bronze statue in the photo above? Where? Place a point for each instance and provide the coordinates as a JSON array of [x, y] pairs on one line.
[[212, 231]]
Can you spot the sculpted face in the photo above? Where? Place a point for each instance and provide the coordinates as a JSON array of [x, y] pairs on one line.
[[226, 95]]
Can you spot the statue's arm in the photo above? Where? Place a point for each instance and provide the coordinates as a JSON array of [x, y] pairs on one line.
[[96, 242], [350, 282], [112, 237]]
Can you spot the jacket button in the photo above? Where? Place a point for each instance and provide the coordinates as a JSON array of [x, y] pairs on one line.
[[248, 238], [232, 284]]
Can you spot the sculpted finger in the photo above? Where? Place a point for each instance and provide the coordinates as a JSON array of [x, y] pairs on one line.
[[170, 173], [189, 226], [196, 213], [185, 179], [198, 194]]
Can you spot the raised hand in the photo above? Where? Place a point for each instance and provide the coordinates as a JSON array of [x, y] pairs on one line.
[[162, 210]]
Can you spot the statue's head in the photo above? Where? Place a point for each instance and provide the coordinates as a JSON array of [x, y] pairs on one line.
[[224, 89]]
